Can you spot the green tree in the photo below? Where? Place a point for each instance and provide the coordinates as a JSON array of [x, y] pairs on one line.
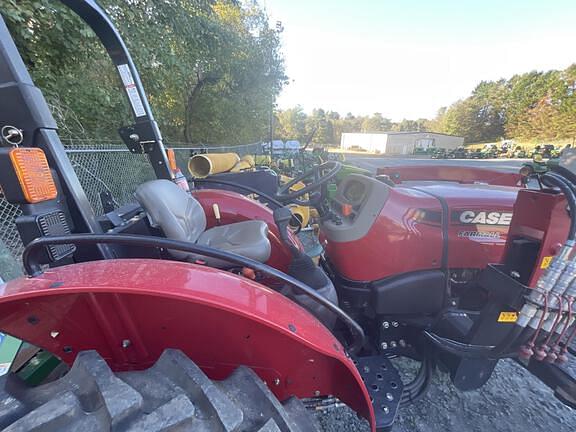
[[376, 123], [320, 127], [212, 69], [420, 125], [291, 124]]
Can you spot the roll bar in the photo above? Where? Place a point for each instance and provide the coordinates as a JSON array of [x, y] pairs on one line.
[[144, 135]]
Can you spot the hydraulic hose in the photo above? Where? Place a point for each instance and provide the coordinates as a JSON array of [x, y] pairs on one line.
[[459, 349], [507, 342], [567, 188], [33, 268], [557, 277], [418, 387]]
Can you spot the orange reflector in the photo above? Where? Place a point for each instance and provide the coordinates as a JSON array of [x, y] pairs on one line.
[[346, 209], [171, 159], [248, 273], [34, 176]]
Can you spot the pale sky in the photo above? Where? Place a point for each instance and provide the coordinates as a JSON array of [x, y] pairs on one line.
[[407, 58]]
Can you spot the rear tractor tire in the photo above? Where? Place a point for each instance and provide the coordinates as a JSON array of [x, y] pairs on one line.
[[172, 395]]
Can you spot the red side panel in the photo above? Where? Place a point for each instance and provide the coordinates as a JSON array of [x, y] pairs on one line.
[[419, 224], [460, 174], [406, 236], [542, 217], [131, 310], [235, 207], [479, 237], [475, 246]]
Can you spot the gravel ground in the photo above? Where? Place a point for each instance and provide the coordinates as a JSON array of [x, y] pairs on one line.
[[512, 400]]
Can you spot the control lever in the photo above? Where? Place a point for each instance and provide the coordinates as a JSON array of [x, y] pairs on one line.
[[216, 210], [282, 218]]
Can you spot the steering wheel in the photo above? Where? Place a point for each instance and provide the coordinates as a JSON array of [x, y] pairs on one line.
[[321, 174]]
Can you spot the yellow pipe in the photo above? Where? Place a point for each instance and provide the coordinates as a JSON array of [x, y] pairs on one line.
[[245, 163], [203, 165]]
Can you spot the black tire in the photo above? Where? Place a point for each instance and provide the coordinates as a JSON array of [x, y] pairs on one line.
[[174, 394]]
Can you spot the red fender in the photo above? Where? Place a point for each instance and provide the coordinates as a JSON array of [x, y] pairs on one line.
[[235, 207], [131, 310]]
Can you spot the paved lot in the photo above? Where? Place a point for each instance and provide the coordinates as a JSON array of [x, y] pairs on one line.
[[375, 162]]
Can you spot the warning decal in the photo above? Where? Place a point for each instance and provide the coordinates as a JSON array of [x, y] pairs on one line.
[[546, 262], [508, 317], [131, 90]]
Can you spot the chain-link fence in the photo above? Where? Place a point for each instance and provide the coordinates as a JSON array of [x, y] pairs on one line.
[[101, 167]]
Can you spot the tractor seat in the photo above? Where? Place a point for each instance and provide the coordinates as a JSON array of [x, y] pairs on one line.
[[181, 217]]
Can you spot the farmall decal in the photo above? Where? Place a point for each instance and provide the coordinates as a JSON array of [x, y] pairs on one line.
[[471, 217], [480, 235]]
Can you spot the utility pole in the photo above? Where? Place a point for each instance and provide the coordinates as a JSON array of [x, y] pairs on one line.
[[279, 29], [271, 120]]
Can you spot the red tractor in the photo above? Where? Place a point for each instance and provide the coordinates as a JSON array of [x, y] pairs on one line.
[[199, 310]]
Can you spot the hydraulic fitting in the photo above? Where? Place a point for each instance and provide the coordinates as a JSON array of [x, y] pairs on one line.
[[544, 284]]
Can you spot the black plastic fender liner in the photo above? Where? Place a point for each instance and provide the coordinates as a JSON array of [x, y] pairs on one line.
[[174, 394]]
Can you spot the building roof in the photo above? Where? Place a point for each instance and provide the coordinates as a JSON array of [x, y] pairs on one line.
[[402, 133]]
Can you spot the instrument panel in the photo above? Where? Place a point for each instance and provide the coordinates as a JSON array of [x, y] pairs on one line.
[[354, 192]]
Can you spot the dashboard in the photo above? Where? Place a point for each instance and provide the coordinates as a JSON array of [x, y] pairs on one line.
[[354, 192]]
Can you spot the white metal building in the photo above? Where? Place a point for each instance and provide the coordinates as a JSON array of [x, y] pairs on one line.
[[398, 142]]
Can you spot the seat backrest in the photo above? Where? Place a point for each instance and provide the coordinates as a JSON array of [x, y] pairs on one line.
[[178, 214]]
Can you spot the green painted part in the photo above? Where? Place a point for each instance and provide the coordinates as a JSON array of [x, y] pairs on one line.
[[346, 170], [332, 188], [38, 368], [542, 167]]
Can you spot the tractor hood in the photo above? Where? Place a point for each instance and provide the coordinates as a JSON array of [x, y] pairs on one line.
[[476, 220], [462, 195], [451, 226]]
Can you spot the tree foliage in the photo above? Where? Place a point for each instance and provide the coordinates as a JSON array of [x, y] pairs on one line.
[[326, 127], [536, 106], [529, 106], [212, 68]]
